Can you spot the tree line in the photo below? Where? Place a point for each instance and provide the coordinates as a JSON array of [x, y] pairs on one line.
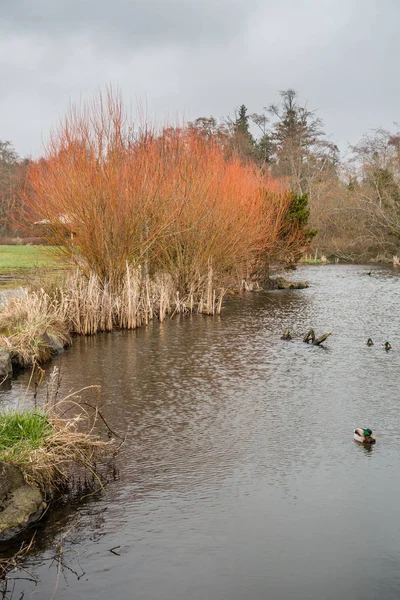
[[354, 203], [347, 207]]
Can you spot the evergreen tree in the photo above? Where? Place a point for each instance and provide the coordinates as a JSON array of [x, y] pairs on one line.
[[296, 235], [243, 143], [241, 126]]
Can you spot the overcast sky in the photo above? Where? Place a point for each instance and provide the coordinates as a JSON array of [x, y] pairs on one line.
[[199, 58]]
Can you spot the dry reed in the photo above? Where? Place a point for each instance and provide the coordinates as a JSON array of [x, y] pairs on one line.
[[9, 564], [40, 323], [69, 436], [88, 305], [31, 327]]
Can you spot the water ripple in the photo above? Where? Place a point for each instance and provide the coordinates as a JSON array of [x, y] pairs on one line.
[[240, 477]]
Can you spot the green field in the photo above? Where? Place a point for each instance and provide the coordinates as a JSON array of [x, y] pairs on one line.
[[27, 257]]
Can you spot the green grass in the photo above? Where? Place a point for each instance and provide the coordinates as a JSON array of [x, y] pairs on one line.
[[44, 444], [311, 261], [21, 433], [27, 257]]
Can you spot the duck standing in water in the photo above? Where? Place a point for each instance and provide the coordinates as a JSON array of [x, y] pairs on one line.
[[387, 346], [370, 342], [364, 436]]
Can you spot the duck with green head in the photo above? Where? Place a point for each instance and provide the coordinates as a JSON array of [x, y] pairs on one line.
[[370, 342], [387, 346], [365, 436]]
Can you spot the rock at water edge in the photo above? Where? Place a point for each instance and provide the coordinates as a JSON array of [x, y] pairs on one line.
[[20, 503], [5, 365]]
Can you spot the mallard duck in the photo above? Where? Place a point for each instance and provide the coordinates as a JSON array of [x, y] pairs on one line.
[[364, 436], [286, 335], [370, 342], [387, 346]]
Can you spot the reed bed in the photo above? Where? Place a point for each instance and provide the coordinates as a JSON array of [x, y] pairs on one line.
[[40, 323], [88, 306]]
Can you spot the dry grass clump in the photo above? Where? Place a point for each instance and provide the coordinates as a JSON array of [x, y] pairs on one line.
[[47, 443], [32, 327]]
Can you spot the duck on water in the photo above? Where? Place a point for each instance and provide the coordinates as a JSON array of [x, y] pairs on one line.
[[387, 346], [364, 436]]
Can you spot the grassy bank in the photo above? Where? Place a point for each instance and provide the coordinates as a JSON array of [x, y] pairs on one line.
[[45, 442], [14, 258], [21, 433]]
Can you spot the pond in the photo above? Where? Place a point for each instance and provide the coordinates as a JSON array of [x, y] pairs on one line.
[[240, 478]]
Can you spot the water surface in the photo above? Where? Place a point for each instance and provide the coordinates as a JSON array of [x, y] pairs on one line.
[[240, 478]]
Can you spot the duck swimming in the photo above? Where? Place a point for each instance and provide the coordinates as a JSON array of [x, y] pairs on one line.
[[387, 346], [370, 342], [364, 436], [286, 335]]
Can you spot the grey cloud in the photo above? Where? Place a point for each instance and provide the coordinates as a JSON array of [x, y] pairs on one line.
[[133, 23], [199, 57]]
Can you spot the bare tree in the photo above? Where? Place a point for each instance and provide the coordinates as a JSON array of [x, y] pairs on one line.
[[11, 168], [376, 184]]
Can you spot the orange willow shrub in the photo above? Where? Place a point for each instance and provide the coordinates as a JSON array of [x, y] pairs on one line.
[[231, 219], [91, 195], [170, 202]]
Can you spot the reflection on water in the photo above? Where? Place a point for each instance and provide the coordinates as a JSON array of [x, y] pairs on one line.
[[240, 477]]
